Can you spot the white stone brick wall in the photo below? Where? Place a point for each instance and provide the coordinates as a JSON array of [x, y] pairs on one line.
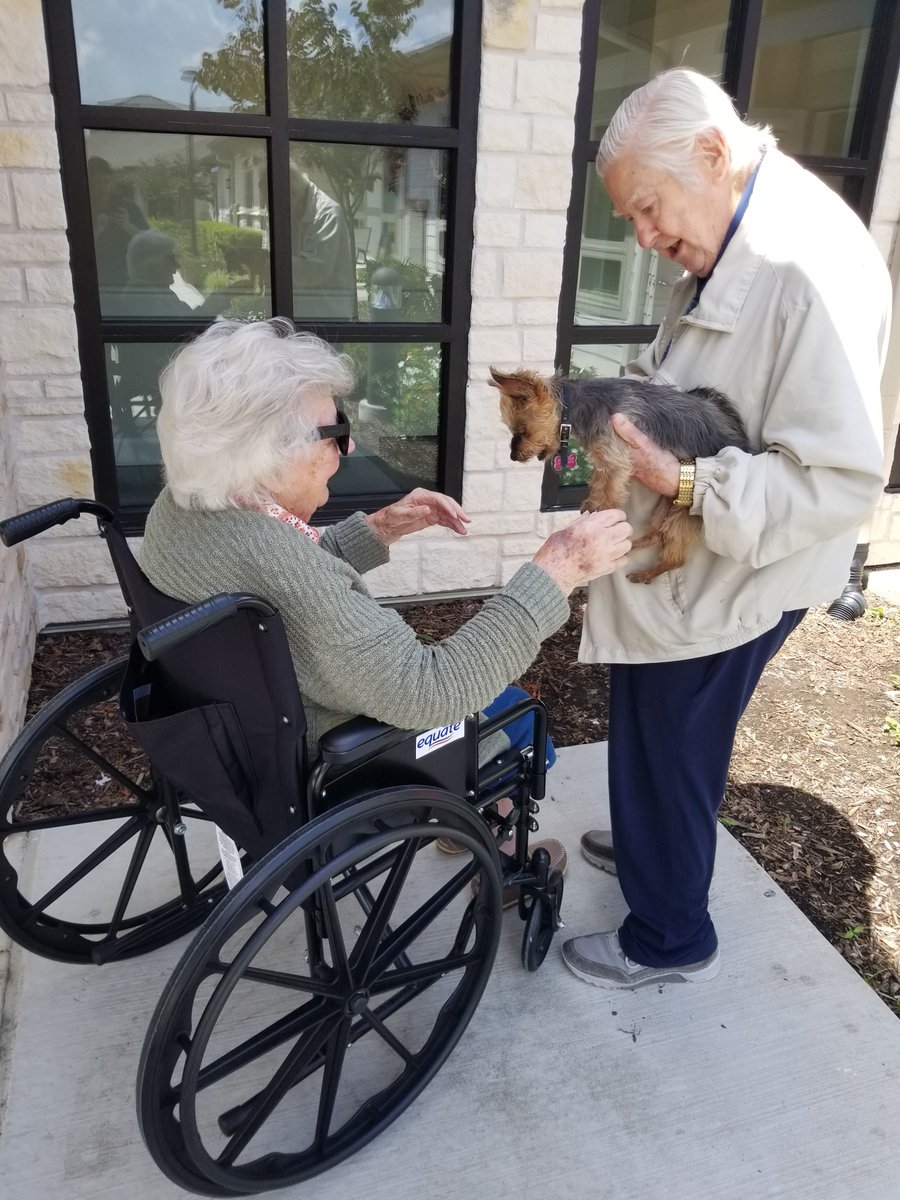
[[45, 436]]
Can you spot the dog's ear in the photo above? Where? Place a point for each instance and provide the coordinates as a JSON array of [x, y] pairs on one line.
[[514, 385]]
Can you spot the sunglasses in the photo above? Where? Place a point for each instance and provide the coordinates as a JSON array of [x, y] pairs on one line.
[[340, 432]]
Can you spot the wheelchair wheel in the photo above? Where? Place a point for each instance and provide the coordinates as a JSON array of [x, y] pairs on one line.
[[541, 923], [111, 875], [322, 996]]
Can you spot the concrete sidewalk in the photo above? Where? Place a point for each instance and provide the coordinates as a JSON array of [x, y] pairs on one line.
[[779, 1079]]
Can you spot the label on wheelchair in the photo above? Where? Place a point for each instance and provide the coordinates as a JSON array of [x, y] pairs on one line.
[[434, 739], [231, 858]]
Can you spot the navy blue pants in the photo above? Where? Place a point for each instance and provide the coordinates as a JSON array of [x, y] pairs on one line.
[[671, 733]]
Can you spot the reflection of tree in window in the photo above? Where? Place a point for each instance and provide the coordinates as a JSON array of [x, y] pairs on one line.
[[337, 73]]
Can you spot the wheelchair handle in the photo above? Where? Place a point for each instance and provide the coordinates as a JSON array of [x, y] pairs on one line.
[[17, 529], [158, 639]]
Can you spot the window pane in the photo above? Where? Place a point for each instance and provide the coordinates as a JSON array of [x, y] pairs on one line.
[[132, 376], [848, 187], [205, 55], [619, 283], [808, 72], [640, 39], [395, 414], [181, 224], [386, 62], [368, 225], [605, 362]]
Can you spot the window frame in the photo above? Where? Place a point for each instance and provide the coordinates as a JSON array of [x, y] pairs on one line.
[[741, 40], [278, 130]]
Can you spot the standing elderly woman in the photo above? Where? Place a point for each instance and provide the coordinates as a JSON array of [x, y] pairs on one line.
[[250, 437], [784, 307]]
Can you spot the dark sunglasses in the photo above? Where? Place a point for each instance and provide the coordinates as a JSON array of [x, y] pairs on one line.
[[340, 432]]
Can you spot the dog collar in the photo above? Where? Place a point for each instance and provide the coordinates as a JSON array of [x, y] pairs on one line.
[[565, 431]]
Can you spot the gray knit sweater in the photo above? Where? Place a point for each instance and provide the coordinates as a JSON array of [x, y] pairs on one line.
[[351, 655]]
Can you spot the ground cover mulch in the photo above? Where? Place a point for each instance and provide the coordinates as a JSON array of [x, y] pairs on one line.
[[814, 788]]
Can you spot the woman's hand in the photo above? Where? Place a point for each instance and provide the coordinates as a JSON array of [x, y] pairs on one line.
[[419, 510], [597, 543], [652, 466]]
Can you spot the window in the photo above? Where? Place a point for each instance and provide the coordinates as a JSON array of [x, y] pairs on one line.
[[820, 73], [295, 157]]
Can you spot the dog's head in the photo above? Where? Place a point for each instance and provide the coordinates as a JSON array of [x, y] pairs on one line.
[[530, 411]]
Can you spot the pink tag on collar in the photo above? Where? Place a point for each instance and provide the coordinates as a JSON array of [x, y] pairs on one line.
[[571, 462]]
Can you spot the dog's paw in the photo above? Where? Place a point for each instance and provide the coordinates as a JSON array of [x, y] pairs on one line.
[[644, 576]]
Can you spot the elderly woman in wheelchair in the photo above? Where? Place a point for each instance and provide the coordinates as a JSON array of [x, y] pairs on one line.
[[280, 705]]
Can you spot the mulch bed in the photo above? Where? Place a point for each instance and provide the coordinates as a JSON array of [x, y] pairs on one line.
[[814, 789]]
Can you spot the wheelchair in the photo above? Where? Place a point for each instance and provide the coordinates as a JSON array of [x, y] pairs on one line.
[[339, 960]]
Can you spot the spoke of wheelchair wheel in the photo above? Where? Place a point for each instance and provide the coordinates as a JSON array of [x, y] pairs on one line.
[[105, 765], [331, 1077], [427, 972], [334, 932], [297, 983], [377, 920], [69, 820], [138, 856], [103, 851], [418, 921], [303, 1021], [383, 1032], [265, 1102]]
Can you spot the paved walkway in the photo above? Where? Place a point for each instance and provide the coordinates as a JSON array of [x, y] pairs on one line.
[[779, 1079]]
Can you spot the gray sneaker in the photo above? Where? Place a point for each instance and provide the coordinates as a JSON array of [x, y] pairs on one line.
[[598, 958], [597, 848]]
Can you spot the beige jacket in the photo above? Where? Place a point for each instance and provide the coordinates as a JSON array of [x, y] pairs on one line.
[[792, 326]]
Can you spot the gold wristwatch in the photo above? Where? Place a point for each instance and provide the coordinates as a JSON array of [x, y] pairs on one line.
[[685, 497]]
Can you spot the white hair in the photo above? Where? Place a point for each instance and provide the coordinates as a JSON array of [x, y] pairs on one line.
[[234, 415], [660, 123], [147, 249]]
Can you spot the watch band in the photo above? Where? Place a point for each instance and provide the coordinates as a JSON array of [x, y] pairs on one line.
[[685, 497]]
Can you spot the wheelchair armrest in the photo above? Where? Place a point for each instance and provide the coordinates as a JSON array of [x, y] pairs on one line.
[[358, 739]]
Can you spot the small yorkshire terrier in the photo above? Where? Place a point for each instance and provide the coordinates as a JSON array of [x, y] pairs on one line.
[[694, 424]]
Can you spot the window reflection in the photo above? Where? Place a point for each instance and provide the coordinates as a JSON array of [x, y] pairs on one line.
[[368, 227], [808, 72], [619, 282], [358, 62], [395, 414], [637, 41], [181, 224], [132, 377], [148, 53]]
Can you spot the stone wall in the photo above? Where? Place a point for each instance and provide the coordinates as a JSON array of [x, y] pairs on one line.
[[529, 85], [46, 437]]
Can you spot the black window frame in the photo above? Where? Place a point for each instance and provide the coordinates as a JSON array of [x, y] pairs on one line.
[[742, 37], [279, 130]]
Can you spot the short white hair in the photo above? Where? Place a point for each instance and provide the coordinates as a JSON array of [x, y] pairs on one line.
[[235, 413], [660, 123], [147, 249]]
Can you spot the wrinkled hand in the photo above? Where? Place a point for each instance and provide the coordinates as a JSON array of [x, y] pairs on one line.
[[654, 467], [419, 510], [598, 543]]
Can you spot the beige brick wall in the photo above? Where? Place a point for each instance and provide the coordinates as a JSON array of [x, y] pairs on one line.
[[47, 451]]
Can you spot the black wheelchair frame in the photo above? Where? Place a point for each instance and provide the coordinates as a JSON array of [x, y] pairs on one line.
[[329, 984]]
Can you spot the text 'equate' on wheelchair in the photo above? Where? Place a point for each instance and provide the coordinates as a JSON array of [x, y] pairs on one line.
[[330, 983]]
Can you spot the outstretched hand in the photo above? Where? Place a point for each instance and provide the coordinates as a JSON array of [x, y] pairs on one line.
[[419, 510], [651, 465]]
